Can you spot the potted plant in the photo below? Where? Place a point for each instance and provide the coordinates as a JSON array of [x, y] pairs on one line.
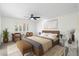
[[5, 36]]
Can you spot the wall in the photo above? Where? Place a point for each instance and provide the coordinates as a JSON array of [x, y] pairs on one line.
[[78, 24], [65, 22], [69, 22], [0, 28], [8, 22], [41, 24], [0, 24]]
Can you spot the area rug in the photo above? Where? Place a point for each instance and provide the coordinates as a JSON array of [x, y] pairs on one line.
[[55, 51], [3, 50], [12, 50]]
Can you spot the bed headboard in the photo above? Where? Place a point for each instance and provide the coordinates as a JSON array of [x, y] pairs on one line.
[[51, 31]]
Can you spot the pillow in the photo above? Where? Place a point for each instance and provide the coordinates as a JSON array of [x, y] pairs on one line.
[[52, 36], [44, 34]]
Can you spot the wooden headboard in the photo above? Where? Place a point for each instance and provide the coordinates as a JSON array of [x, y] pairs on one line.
[[51, 31]]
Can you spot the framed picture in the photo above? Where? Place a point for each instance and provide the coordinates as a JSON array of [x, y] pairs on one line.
[[20, 28], [24, 27], [16, 28], [51, 24]]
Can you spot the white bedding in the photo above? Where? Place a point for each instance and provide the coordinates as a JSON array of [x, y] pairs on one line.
[[50, 36], [46, 44], [53, 38]]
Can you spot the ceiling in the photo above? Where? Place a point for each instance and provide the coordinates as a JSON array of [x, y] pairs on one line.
[[44, 10]]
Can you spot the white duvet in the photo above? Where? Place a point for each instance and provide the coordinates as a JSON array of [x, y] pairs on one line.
[[46, 44], [50, 36]]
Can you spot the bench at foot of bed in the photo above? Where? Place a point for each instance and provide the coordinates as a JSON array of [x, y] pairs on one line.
[[24, 46]]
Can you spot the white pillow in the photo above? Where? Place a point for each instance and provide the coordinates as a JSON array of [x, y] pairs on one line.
[[52, 36], [44, 34]]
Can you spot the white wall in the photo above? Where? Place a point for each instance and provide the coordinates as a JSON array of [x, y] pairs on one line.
[[0, 29], [65, 22], [41, 24], [78, 24], [8, 22], [78, 20], [0, 24], [69, 22]]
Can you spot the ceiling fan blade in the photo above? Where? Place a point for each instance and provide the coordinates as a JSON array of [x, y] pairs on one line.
[[37, 17], [34, 18]]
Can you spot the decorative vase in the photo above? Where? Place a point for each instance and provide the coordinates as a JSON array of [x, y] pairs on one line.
[[73, 37], [70, 41]]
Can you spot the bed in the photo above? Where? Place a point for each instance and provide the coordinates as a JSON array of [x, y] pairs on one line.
[[55, 40], [42, 44]]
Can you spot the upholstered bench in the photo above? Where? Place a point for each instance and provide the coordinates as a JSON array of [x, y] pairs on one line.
[[24, 46]]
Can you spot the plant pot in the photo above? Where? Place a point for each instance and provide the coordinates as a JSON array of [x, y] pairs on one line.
[[5, 40], [5, 36]]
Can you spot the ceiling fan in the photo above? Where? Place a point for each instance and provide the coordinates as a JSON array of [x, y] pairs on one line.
[[32, 17]]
